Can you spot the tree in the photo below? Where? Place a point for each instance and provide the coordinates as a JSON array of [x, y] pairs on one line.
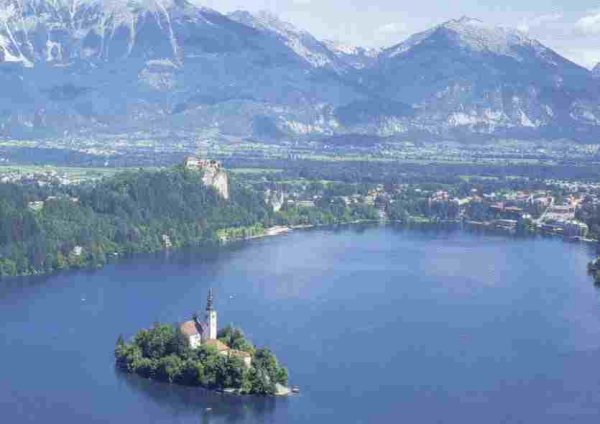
[[156, 342], [235, 339], [169, 368]]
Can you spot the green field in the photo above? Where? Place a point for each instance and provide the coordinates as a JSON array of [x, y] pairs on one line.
[[85, 173], [71, 172]]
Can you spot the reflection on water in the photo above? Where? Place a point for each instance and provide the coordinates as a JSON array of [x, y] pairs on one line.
[[206, 405]]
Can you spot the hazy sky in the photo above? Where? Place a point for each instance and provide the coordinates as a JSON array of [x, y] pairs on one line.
[[572, 27]]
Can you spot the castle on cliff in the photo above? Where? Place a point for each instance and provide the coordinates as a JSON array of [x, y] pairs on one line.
[[200, 332], [213, 174]]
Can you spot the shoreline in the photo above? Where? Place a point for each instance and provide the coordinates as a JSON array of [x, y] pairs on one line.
[[277, 230], [280, 391], [280, 230]]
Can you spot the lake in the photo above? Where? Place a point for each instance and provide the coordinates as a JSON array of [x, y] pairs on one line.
[[376, 325]]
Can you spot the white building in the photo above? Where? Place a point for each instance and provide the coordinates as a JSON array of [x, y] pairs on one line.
[[198, 331], [204, 332]]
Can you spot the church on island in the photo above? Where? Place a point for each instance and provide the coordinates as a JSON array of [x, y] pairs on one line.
[[200, 332]]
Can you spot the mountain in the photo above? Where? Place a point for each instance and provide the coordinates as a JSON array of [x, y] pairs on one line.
[[596, 71], [355, 57], [466, 77], [115, 66], [110, 65], [307, 47], [322, 54]]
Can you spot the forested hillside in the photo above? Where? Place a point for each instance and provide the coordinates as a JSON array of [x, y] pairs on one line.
[[43, 229]]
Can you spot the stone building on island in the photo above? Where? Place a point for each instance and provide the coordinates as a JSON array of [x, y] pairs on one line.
[[204, 332]]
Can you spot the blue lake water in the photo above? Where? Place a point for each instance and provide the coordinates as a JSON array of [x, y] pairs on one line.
[[376, 325]]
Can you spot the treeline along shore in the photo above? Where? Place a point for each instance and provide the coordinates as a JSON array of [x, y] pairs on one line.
[[48, 228]]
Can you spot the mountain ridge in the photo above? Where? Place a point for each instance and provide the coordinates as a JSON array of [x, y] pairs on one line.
[[465, 75], [113, 66]]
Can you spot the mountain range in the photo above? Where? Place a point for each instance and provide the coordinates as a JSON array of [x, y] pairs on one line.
[[114, 66]]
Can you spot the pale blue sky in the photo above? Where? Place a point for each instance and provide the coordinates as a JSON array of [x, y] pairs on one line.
[[572, 27]]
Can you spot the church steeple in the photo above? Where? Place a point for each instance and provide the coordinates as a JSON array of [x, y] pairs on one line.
[[210, 300], [211, 316]]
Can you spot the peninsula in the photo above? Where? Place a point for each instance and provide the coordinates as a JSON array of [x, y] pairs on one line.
[[195, 353]]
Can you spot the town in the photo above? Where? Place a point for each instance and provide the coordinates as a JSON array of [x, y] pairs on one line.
[[557, 207]]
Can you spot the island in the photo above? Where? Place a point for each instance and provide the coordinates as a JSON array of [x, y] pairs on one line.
[[194, 353]]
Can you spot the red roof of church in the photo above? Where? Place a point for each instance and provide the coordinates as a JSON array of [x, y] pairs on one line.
[[193, 328], [190, 328]]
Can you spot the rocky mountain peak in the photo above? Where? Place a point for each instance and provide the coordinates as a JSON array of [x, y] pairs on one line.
[[115, 65], [265, 20], [62, 31], [472, 35], [301, 42], [476, 35]]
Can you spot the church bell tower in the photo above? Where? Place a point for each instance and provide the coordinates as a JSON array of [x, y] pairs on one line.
[[211, 316]]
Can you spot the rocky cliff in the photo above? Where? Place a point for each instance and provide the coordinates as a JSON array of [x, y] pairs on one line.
[[218, 179], [213, 174]]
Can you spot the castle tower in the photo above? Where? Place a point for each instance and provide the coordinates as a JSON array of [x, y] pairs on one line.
[[211, 316]]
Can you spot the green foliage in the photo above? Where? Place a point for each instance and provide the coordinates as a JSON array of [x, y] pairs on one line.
[[328, 211], [235, 339], [238, 233], [163, 353], [86, 225]]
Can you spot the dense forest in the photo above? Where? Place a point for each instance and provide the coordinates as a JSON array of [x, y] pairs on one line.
[[43, 229], [163, 353]]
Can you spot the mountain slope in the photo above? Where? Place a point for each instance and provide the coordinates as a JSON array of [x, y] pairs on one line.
[[301, 42], [355, 57], [115, 66], [467, 76], [125, 65]]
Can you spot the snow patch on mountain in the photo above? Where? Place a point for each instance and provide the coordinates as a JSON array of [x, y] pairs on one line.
[[106, 64], [9, 52], [488, 119], [346, 49], [478, 36], [23, 22], [301, 42], [474, 35], [356, 57]]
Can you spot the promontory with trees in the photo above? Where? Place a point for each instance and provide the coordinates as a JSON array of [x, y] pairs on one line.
[[48, 228]]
